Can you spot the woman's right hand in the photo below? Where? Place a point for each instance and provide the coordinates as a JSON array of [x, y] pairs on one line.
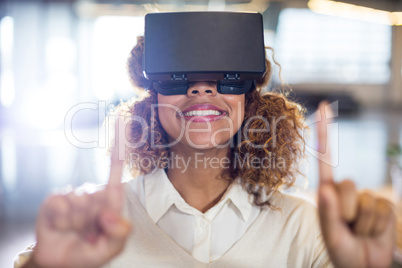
[[82, 230]]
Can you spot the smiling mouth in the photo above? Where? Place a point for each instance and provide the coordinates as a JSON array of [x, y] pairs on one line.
[[202, 113], [202, 116]]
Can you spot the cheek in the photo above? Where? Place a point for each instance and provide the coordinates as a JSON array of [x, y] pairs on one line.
[[237, 104], [235, 101], [243, 108], [163, 114], [167, 114]]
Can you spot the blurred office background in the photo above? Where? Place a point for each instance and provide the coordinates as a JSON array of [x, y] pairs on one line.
[[62, 68]]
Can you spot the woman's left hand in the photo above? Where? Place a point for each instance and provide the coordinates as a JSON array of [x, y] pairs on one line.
[[358, 228]]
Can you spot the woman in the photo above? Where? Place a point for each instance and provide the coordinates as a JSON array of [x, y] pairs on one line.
[[209, 167]]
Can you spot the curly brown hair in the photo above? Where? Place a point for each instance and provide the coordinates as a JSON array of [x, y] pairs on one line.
[[281, 143]]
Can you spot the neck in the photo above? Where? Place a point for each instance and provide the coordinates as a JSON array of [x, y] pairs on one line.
[[197, 176]]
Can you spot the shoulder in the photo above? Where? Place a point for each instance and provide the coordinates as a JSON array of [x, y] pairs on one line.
[[289, 203], [294, 213], [295, 204], [296, 219]]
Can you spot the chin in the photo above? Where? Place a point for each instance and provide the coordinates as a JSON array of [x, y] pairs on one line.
[[207, 143]]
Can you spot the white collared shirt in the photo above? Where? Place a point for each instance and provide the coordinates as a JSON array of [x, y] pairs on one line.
[[206, 236]]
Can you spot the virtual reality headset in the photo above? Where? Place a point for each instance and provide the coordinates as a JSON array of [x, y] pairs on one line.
[[183, 47]]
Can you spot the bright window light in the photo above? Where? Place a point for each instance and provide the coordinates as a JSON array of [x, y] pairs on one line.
[[114, 37], [46, 106], [7, 36], [314, 48], [60, 54], [7, 90]]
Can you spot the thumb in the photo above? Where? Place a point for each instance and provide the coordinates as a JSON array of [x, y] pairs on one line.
[[116, 229], [330, 217]]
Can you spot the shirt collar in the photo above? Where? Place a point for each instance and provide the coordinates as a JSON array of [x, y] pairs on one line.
[[160, 195], [240, 198]]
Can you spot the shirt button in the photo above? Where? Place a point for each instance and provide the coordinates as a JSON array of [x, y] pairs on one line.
[[203, 223]]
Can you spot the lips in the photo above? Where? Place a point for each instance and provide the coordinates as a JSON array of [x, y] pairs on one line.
[[203, 113]]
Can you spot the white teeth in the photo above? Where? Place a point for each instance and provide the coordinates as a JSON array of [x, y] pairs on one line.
[[202, 113]]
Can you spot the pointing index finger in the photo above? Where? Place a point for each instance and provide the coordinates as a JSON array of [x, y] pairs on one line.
[[116, 168], [324, 153], [116, 165], [114, 188]]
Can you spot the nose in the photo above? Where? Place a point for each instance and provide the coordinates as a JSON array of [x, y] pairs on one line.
[[202, 88]]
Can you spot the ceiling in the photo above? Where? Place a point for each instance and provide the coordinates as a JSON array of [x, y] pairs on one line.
[[387, 5]]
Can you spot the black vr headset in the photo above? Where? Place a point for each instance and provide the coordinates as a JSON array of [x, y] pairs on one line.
[[224, 47]]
